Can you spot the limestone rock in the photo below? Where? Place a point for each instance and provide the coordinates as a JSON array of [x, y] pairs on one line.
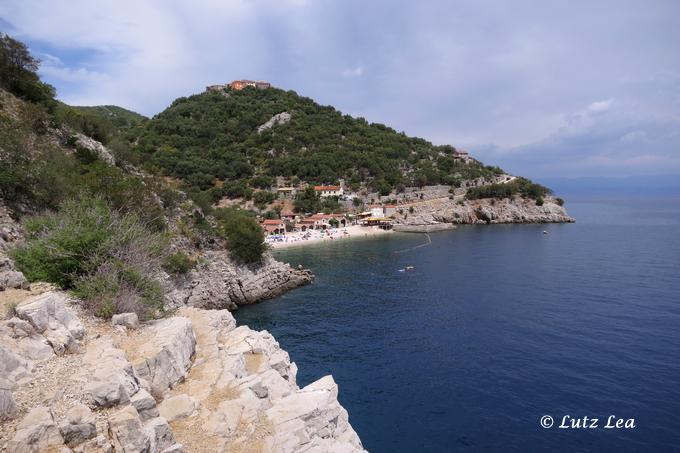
[[310, 417], [36, 432], [49, 316], [177, 407], [127, 432], [12, 279], [19, 328], [93, 145], [111, 378], [160, 434], [7, 404], [100, 444], [79, 425], [129, 320], [13, 367], [145, 404], [279, 118], [462, 211], [261, 352], [166, 357], [219, 283]]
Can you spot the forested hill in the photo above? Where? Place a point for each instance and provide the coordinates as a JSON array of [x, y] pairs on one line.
[[213, 138]]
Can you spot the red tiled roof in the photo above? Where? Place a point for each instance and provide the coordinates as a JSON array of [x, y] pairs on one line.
[[319, 188], [272, 222]]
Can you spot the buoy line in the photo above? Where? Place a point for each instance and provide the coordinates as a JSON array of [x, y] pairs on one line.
[[429, 241]]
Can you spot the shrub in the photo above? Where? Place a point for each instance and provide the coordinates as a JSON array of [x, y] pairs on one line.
[[106, 258], [560, 201], [521, 186], [263, 198], [178, 263], [245, 237], [539, 201]]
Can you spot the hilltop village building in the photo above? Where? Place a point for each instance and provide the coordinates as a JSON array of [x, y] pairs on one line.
[[239, 85]]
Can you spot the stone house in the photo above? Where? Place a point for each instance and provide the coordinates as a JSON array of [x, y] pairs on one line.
[[329, 191], [274, 226]]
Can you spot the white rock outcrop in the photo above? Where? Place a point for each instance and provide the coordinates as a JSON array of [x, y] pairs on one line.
[[279, 118], [217, 282], [165, 358], [129, 320], [461, 211], [190, 382], [110, 377], [49, 316], [96, 147]]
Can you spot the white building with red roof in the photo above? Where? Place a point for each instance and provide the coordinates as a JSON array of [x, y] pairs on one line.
[[329, 191]]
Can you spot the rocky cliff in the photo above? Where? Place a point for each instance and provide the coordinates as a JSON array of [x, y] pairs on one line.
[[217, 282], [457, 210], [193, 382]]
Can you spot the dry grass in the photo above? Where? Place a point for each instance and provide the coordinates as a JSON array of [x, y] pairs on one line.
[[190, 433], [253, 362], [219, 395]]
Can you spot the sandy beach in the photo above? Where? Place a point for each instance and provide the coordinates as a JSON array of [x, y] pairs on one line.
[[300, 238]]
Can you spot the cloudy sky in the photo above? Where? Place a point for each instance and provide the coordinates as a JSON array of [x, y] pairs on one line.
[[543, 88]]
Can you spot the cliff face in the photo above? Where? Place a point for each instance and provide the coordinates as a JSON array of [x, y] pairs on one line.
[[461, 211], [193, 382], [217, 282]]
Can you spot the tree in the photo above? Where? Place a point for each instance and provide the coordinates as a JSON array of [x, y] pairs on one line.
[[245, 237], [18, 72], [307, 201]]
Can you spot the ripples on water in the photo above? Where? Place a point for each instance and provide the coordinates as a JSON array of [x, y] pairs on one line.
[[497, 326]]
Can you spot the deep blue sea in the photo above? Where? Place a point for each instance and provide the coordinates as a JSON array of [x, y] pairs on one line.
[[496, 327]]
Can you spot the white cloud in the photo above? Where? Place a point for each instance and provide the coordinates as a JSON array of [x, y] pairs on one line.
[[601, 106], [353, 72]]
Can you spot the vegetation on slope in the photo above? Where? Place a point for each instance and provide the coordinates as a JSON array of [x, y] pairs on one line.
[[519, 186], [93, 228], [213, 136], [106, 257]]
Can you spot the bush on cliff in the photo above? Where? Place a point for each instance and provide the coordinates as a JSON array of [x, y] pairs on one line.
[[178, 263], [245, 237], [108, 259], [519, 186]]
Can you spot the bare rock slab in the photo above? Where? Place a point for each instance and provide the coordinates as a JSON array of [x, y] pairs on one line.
[[127, 431], [50, 316], [111, 378], [36, 432], [129, 320], [165, 359]]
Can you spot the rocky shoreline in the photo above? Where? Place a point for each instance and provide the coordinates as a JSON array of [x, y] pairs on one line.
[[192, 382], [457, 210]]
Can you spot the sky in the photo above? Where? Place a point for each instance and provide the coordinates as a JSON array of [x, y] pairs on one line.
[[546, 89]]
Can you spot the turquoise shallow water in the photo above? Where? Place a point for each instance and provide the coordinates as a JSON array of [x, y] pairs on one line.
[[496, 327]]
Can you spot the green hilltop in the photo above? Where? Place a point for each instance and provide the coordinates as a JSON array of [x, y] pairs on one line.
[[214, 136]]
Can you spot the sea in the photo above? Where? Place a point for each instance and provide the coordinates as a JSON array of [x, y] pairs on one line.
[[502, 337]]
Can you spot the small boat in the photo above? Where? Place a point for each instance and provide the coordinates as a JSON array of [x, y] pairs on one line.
[[409, 268], [545, 232]]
